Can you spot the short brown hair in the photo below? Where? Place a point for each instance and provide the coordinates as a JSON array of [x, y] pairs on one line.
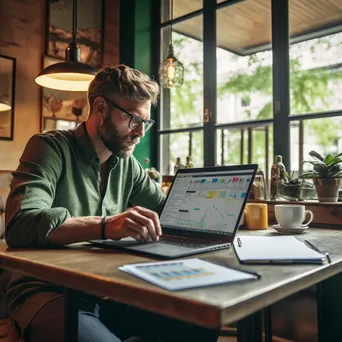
[[123, 81]]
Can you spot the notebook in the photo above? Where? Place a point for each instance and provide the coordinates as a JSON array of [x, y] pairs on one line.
[[201, 213], [188, 273], [275, 250]]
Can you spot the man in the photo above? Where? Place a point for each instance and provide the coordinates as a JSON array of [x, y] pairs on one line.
[[74, 186]]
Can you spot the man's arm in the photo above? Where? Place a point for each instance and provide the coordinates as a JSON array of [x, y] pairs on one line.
[[29, 214], [30, 219], [32, 222], [76, 229]]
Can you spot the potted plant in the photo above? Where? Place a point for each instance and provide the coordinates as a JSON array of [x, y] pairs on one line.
[[326, 175], [295, 189]]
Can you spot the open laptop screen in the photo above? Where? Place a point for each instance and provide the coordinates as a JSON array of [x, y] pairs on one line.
[[207, 201]]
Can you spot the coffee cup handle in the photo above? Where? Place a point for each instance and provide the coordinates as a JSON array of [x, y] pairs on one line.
[[310, 219]]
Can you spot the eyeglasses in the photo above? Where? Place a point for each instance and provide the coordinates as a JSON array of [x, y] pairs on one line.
[[135, 120]]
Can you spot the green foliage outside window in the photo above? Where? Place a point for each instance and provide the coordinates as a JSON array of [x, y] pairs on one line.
[[311, 91]]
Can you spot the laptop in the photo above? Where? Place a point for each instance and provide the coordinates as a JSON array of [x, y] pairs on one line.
[[201, 213]]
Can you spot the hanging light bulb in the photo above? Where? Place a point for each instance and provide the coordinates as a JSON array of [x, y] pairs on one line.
[[4, 103], [70, 75], [171, 70]]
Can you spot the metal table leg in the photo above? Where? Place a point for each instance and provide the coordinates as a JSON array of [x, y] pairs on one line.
[[250, 328], [70, 315], [268, 323], [329, 309]]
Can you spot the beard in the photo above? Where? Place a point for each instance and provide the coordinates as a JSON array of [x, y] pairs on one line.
[[111, 138]]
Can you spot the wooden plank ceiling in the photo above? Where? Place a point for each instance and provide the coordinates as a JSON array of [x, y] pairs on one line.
[[246, 26]]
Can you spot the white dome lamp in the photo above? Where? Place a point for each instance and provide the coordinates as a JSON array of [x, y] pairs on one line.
[[70, 75], [4, 103]]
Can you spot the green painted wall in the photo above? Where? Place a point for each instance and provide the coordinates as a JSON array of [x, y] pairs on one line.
[[138, 24]]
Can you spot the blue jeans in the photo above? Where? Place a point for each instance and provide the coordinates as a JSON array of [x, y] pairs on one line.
[[112, 322], [48, 325]]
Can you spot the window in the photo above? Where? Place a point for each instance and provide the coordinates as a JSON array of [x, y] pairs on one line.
[[181, 127], [315, 79], [239, 126]]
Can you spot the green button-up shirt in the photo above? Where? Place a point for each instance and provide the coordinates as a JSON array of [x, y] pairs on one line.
[[59, 177]]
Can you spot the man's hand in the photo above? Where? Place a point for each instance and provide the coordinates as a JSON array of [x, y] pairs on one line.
[[138, 222]]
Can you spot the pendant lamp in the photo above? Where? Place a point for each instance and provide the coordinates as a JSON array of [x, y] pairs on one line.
[[70, 75], [171, 70], [4, 103]]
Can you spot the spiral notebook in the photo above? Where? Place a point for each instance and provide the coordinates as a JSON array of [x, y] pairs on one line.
[[275, 250]]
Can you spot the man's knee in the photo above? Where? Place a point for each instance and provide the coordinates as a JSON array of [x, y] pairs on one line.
[[48, 325]]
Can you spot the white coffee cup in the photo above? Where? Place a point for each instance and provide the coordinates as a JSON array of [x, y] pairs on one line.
[[292, 215]]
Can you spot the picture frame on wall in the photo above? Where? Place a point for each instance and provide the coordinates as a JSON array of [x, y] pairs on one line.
[[89, 34], [68, 106], [7, 96]]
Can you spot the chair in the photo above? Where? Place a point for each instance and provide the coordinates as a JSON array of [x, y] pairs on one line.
[[5, 182], [9, 332]]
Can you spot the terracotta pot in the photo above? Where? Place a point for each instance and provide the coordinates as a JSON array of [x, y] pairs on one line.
[[327, 188]]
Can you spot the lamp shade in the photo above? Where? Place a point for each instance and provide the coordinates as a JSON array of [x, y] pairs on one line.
[[68, 75], [4, 103]]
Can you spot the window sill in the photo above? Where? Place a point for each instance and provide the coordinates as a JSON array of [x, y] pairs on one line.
[[326, 214]]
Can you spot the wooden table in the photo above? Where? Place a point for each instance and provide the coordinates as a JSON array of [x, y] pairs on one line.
[[95, 271]]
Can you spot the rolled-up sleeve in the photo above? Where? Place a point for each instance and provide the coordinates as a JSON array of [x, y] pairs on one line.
[[30, 215]]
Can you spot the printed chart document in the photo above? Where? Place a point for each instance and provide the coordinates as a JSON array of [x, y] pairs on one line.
[[188, 273], [275, 249]]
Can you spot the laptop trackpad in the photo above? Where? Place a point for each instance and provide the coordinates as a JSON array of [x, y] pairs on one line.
[[159, 248]]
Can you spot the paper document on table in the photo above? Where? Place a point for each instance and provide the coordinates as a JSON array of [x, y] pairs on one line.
[[187, 273], [275, 249]]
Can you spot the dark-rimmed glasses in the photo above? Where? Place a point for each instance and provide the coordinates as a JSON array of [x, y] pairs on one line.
[[136, 120]]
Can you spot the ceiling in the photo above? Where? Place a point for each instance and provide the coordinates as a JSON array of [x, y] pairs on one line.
[[245, 27]]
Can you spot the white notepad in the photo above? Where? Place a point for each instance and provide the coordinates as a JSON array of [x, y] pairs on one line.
[[275, 249], [187, 273]]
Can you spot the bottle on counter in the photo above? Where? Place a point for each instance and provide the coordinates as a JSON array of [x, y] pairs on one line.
[[178, 165], [278, 171], [189, 163]]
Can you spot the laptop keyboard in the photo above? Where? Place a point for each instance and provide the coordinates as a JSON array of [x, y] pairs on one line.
[[186, 242]]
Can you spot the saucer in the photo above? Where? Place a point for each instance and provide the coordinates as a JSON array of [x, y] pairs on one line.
[[281, 230]]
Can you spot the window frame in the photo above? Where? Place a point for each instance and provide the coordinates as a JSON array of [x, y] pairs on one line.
[[282, 117]]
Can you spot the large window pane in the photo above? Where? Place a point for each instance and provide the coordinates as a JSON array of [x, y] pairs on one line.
[[295, 148], [180, 145], [230, 143], [315, 56], [197, 148], [259, 147], [229, 146], [183, 106], [180, 8], [322, 135], [244, 62], [316, 75]]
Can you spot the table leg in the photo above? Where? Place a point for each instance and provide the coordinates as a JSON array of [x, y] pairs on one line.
[[250, 328], [329, 309], [70, 315], [268, 323]]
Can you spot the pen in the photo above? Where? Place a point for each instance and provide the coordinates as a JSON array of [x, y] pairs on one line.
[[239, 242], [317, 250], [258, 275]]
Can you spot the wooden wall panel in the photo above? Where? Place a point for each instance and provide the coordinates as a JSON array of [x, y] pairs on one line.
[[111, 32], [22, 35]]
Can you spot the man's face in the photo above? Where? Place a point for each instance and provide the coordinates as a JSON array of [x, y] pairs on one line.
[[114, 130]]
